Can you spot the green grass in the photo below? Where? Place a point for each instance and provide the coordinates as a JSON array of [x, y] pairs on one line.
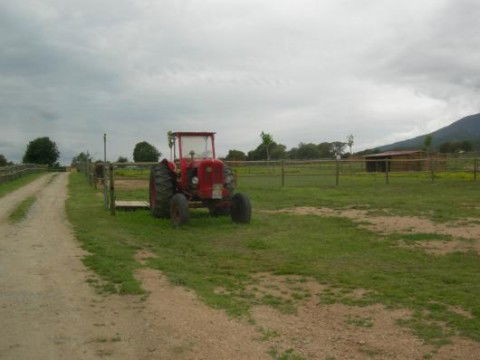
[[432, 200], [13, 185], [212, 253], [21, 211], [359, 321], [288, 354]]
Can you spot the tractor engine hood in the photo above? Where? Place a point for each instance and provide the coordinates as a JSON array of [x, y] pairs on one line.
[[210, 179]]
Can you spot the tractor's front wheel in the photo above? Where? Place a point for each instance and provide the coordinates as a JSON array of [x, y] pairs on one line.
[[179, 213], [241, 210]]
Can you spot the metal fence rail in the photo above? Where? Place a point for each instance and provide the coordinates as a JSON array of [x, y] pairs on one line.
[[306, 173], [8, 173], [130, 181]]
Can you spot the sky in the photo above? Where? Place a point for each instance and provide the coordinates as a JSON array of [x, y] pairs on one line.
[[302, 70]]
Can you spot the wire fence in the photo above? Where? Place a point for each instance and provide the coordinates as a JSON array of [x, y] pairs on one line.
[[349, 172], [130, 181], [8, 173]]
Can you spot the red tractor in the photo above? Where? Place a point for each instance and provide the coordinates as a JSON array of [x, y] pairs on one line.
[[195, 179]]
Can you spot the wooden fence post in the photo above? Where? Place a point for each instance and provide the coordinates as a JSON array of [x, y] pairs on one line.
[[94, 176], [87, 172], [475, 166], [105, 187], [283, 173], [387, 171], [337, 173], [112, 190]]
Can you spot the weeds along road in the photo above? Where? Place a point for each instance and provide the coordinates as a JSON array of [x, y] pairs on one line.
[[49, 311]]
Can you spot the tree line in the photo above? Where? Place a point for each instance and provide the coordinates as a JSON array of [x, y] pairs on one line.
[[268, 149], [142, 152]]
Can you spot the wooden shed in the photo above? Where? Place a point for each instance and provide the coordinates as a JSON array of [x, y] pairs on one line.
[[413, 160]]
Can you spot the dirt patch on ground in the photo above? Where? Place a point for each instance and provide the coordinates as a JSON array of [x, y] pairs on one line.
[[285, 291], [443, 247], [189, 329], [314, 331], [337, 331], [131, 184], [142, 256], [403, 224]]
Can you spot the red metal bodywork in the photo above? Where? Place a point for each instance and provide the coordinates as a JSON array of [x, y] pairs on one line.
[[209, 172]]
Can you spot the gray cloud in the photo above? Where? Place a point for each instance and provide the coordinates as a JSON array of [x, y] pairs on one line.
[[303, 70]]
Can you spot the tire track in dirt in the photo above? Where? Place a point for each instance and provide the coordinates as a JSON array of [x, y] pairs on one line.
[[10, 200]]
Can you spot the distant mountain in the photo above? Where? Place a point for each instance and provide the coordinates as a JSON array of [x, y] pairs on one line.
[[467, 128]]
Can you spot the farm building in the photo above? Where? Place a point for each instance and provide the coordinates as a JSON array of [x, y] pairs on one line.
[[378, 162]]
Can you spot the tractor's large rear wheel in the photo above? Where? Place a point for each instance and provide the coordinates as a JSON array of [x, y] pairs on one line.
[[179, 213], [241, 210], [161, 190]]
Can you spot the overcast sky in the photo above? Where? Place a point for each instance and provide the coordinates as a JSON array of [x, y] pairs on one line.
[[311, 71]]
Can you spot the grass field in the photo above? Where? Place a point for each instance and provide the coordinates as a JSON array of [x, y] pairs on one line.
[[212, 253], [407, 193], [10, 186]]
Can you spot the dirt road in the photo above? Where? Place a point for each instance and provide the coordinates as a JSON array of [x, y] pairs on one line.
[[49, 311]]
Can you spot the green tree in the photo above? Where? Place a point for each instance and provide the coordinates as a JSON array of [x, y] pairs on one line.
[[350, 142], [308, 151], [145, 152], [81, 158], [292, 153], [338, 148], [41, 151], [446, 147], [122, 159], [326, 150], [466, 146], [277, 151], [236, 155], [3, 160], [267, 141]]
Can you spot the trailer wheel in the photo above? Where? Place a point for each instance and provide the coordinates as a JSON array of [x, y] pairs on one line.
[[161, 190], [179, 213], [241, 210]]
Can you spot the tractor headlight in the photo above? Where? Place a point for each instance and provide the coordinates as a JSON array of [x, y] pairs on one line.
[[194, 180]]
